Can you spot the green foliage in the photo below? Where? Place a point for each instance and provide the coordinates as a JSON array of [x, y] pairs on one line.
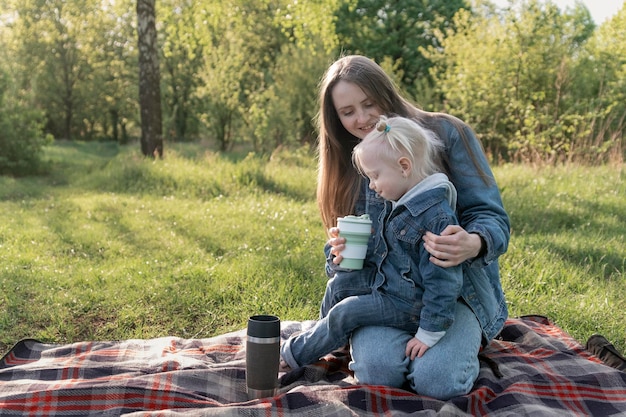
[[309, 23], [114, 79], [293, 88], [21, 130], [510, 76], [535, 82], [76, 55], [183, 52], [261, 69], [114, 246], [398, 30], [600, 80], [242, 43]]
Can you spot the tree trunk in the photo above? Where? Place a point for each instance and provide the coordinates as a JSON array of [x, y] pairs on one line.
[[149, 80]]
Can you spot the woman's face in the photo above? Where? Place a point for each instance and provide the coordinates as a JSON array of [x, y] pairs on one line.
[[357, 112]]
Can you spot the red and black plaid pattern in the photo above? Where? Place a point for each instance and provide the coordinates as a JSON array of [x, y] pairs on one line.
[[544, 373]]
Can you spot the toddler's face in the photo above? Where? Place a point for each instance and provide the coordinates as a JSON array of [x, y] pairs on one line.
[[385, 175]]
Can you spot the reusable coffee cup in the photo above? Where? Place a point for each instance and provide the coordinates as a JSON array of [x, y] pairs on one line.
[[262, 356], [356, 230]]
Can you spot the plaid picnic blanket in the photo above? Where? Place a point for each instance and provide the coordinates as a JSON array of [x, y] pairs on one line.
[[544, 371]]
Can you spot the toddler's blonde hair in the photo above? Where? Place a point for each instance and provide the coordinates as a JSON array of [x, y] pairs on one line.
[[395, 137]]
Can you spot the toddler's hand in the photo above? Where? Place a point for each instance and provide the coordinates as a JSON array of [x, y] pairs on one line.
[[337, 244], [415, 348]]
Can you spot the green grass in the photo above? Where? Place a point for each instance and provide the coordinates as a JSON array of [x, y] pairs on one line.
[[112, 246], [567, 255]]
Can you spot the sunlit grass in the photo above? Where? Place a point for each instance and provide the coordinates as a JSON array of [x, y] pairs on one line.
[[189, 246], [113, 246], [567, 255]]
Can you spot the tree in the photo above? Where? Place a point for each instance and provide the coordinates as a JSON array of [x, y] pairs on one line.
[[382, 29], [309, 46], [53, 37], [149, 80], [113, 103], [183, 54], [21, 128], [76, 59], [262, 62], [294, 87], [242, 43], [510, 76], [600, 93]]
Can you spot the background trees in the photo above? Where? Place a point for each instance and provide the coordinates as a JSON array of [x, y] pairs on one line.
[[510, 75], [19, 120], [600, 80], [397, 30], [536, 82], [531, 81]]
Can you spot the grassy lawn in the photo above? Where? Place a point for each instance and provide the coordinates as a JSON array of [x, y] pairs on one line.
[[111, 246]]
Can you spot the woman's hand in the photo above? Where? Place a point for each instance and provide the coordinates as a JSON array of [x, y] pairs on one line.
[[415, 348], [337, 244], [452, 247]]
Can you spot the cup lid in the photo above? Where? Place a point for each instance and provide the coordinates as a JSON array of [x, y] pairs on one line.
[[364, 218], [264, 326]]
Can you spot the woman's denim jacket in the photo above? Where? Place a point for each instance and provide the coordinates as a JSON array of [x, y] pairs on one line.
[[479, 210]]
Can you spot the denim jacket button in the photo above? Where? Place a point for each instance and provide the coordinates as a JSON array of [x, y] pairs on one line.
[[402, 232]]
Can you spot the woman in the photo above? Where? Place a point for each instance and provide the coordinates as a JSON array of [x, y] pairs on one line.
[[354, 93]]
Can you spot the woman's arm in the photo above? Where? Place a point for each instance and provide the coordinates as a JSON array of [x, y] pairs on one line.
[[484, 230]]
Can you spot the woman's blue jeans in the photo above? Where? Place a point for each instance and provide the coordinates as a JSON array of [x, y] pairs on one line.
[[446, 370]]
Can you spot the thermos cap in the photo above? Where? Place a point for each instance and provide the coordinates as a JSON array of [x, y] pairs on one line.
[[264, 326]]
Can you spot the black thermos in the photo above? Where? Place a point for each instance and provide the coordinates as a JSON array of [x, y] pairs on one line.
[[262, 356]]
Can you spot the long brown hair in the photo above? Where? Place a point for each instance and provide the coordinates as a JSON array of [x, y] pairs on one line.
[[338, 182]]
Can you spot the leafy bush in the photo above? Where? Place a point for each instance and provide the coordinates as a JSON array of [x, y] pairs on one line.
[[21, 132]]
